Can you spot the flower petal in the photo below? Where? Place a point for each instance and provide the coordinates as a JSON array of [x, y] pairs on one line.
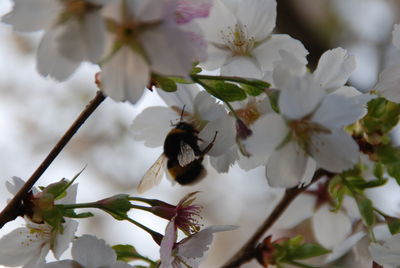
[[338, 110], [207, 108], [89, 251], [144, 129], [300, 97], [335, 151], [62, 264], [388, 83], [49, 60], [330, 228], [61, 241], [167, 243], [334, 68], [396, 35], [268, 132], [223, 162], [257, 16], [20, 247], [197, 245], [242, 66], [268, 52], [125, 75], [83, 39], [286, 166], [33, 15], [224, 130]]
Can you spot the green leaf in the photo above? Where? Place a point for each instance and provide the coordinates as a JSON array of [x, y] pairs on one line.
[[366, 210], [126, 253], [196, 70], [393, 224], [382, 116], [361, 184], [181, 80], [252, 90], [379, 170], [224, 91], [394, 171], [307, 250]]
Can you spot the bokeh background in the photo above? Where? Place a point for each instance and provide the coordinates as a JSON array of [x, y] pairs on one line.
[[35, 111]]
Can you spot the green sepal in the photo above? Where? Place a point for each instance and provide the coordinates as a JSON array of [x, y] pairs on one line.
[[70, 213], [117, 206], [366, 209], [393, 224], [337, 191], [165, 83], [306, 251]]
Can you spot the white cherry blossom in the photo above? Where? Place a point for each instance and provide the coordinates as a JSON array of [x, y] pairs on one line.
[[190, 251], [28, 246], [90, 252], [75, 32], [240, 40], [387, 254], [308, 132], [144, 38]]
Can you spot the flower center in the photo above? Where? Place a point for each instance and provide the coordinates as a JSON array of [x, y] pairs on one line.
[[77, 9], [304, 128], [237, 40], [249, 114]]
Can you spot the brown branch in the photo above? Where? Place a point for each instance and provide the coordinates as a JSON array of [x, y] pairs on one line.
[[247, 251], [13, 208]]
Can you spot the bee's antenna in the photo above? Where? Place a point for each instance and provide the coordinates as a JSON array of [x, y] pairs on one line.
[[183, 110]]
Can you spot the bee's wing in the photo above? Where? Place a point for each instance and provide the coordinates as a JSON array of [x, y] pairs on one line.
[[153, 176], [186, 154]]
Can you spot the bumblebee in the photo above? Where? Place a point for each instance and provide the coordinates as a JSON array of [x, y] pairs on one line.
[[182, 158]]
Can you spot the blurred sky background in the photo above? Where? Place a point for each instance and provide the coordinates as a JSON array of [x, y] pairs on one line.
[[35, 112]]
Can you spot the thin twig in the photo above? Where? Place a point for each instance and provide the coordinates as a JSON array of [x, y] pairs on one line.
[[247, 251], [13, 208]]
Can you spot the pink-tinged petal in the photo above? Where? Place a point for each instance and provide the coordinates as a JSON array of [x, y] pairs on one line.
[[196, 38], [396, 35], [338, 110], [335, 151], [125, 75], [242, 66], [330, 228], [33, 15], [62, 264], [187, 10], [269, 51], [49, 60], [225, 132], [153, 135], [89, 251], [300, 97], [169, 50], [21, 247], [334, 68], [223, 162], [197, 245], [167, 243], [300, 209], [268, 132], [83, 39], [257, 16], [62, 241], [388, 83], [287, 166], [151, 10]]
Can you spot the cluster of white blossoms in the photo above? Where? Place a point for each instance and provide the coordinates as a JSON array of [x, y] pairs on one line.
[[291, 129]]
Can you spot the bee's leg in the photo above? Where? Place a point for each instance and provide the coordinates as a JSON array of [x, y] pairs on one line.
[[210, 145]]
